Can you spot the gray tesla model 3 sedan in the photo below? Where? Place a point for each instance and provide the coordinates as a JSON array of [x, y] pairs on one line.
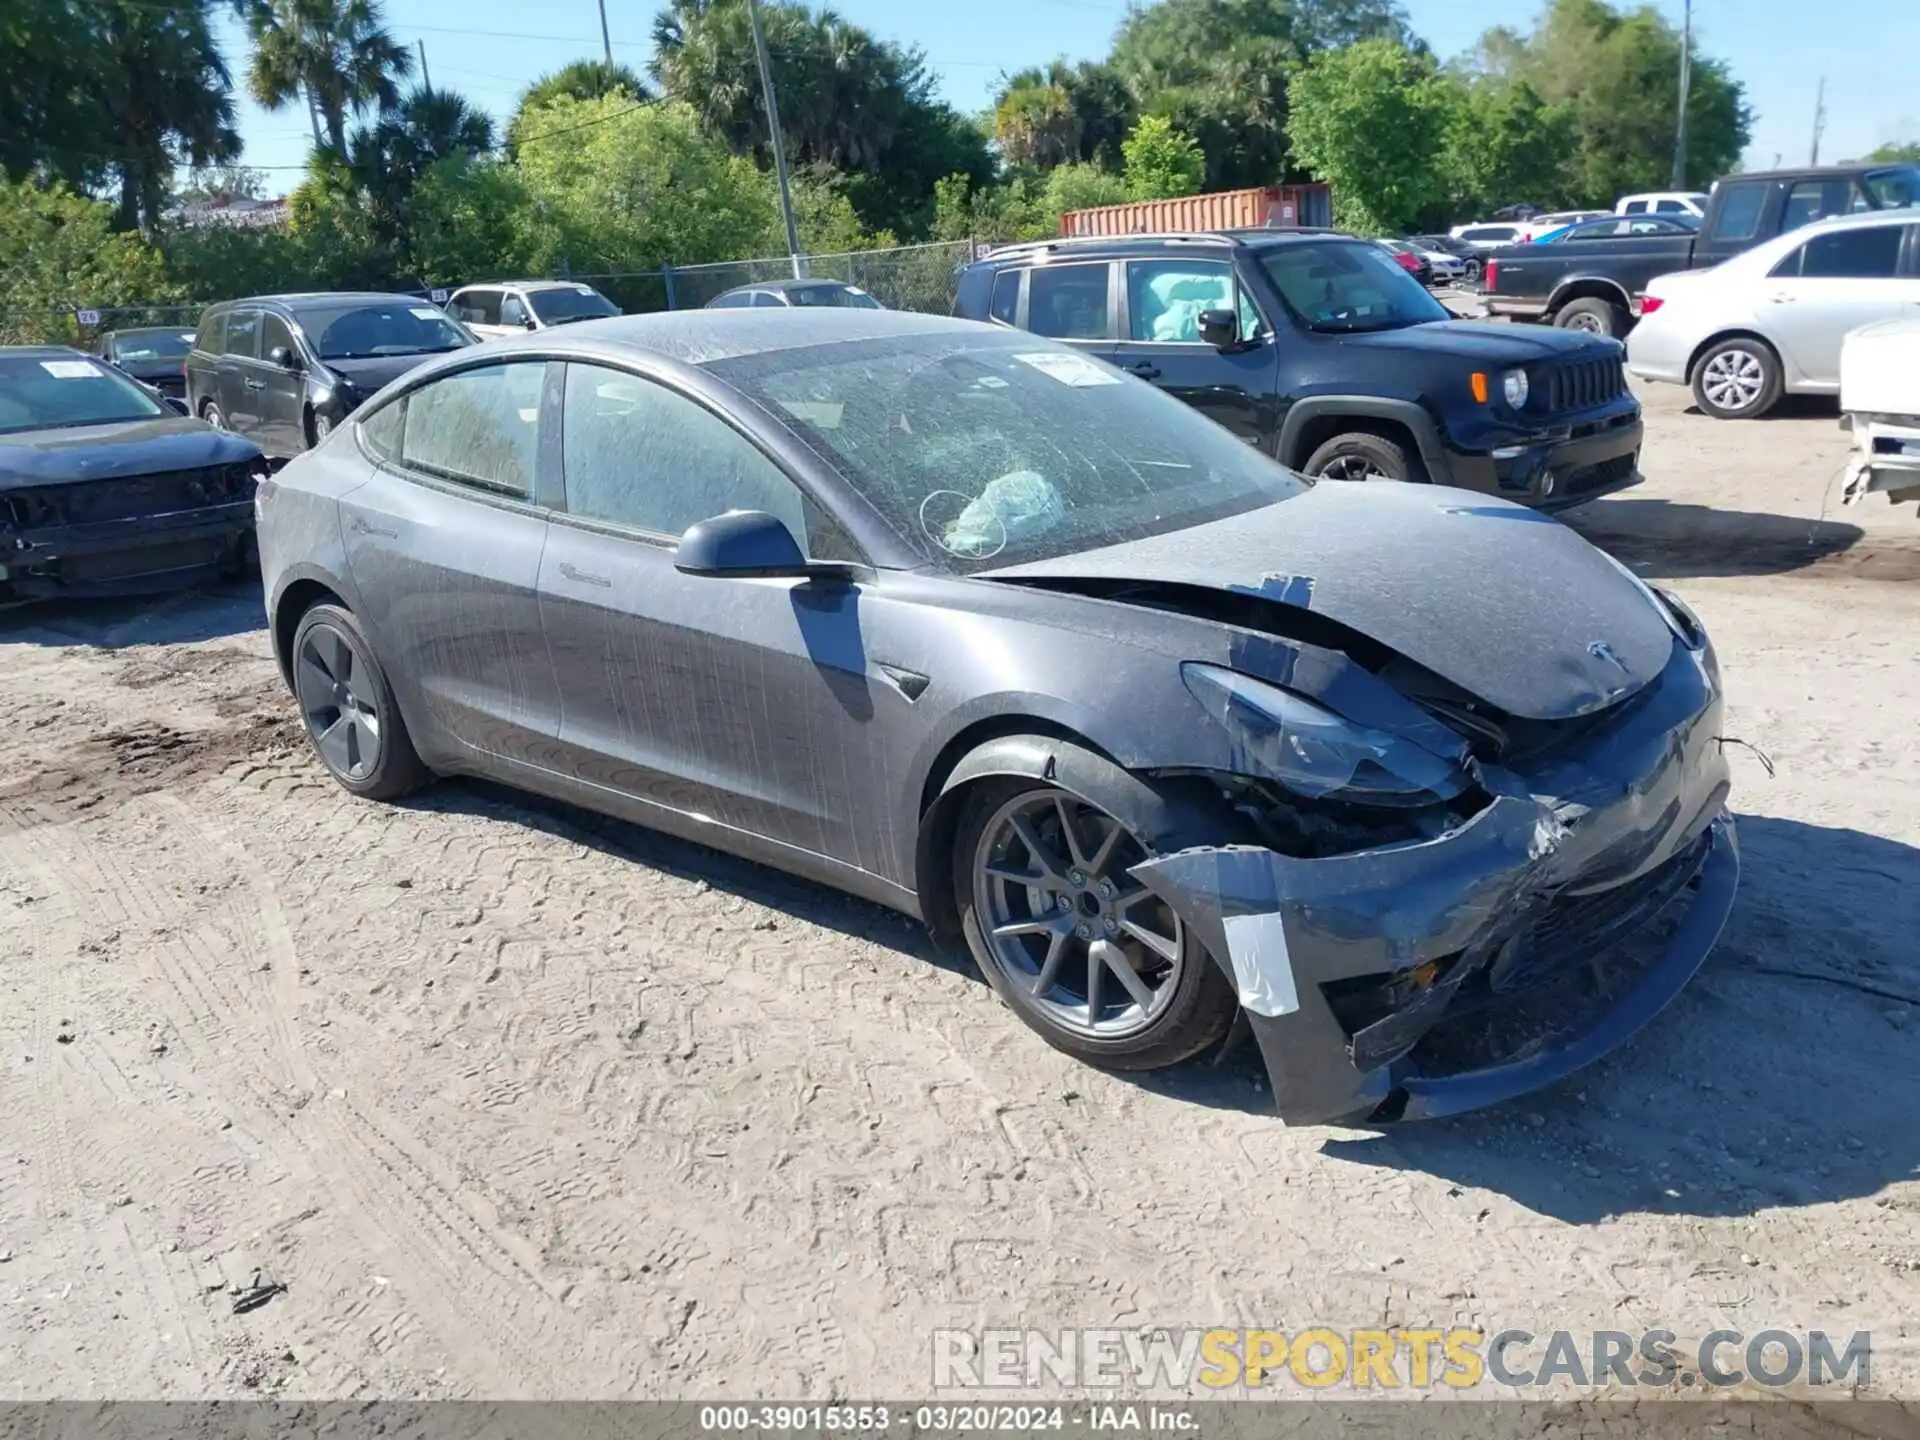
[[975, 626]]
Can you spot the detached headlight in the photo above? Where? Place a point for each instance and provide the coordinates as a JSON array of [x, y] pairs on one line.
[[1314, 752], [1513, 385]]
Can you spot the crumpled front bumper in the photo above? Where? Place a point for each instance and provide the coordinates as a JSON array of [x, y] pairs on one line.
[[113, 557], [1637, 811]]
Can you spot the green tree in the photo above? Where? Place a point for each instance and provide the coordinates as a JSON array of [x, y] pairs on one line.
[[1503, 146], [581, 80], [336, 55], [60, 252], [1034, 124], [1615, 72], [1896, 152], [1161, 161], [1370, 119], [1081, 186], [387, 159], [472, 218], [162, 94]]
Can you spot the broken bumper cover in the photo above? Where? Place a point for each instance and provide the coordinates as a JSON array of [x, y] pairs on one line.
[[1563, 865], [109, 557]]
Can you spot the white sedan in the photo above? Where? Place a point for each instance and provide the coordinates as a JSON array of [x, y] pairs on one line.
[[1769, 322]]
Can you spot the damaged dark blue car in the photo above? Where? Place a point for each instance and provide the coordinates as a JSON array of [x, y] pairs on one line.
[[1419, 783]]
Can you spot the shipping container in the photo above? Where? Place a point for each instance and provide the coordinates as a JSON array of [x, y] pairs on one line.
[[1275, 205]]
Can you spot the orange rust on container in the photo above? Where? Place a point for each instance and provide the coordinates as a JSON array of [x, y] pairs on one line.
[[1270, 205]]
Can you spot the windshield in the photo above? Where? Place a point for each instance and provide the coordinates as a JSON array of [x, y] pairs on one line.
[[365, 331], [53, 392], [844, 297], [981, 451], [1344, 286], [559, 307], [1894, 189], [152, 345]]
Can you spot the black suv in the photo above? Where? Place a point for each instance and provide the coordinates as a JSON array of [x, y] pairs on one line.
[[1317, 347], [283, 370]]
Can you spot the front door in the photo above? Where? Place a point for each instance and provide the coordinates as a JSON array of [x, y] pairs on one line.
[[444, 544], [283, 399], [1837, 281], [1160, 341], [742, 701]]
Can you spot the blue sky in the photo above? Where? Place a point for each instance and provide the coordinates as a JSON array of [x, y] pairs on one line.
[[1868, 50]]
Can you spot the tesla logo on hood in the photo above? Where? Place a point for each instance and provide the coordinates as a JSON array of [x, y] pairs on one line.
[[1600, 650]]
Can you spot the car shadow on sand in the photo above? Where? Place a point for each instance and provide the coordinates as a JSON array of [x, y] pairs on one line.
[[179, 617], [1673, 540]]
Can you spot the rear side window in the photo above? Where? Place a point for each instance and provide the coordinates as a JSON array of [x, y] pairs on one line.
[[477, 307], [1005, 304], [478, 427], [207, 337], [1069, 302], [1636, 207], [1869, 253], [1739, 217], [381, 430], [767, 300], [1670, 207]]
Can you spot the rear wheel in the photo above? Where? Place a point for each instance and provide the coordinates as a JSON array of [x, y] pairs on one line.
[[1594, 316], [210, 413], [1737, 379], [1359, 455], [348, 707], [1083, 953]]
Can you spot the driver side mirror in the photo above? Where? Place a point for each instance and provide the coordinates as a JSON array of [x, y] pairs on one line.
[[530, 323], [283, 357], [1220, 329], [740, 543]]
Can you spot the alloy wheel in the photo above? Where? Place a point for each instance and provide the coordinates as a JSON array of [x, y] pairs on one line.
[[1734, 379], [213, 417], [1352, 467], [322, 427], [344, 722], [1094, 950]]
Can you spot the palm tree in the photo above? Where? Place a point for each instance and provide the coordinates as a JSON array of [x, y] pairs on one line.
[[162, 89], [386, 159], [338, 53]]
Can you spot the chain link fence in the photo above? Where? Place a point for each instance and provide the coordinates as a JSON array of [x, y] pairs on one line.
[[908, 277]]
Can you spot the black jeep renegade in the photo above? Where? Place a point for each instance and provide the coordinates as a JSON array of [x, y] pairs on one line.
[[1317, 347]]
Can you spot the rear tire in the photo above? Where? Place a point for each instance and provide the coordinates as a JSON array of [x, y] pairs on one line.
[[1738, 379], [348, 708], [210, 413], [1594, 316], [1036, 944], [1360, 455]]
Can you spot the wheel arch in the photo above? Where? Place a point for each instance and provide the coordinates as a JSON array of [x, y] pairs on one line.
[[1588, 287], [295, 597], [1736, 332], [1313, 421]]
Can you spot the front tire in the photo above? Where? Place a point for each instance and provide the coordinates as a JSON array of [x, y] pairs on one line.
[[348, 708], [1594, 316], [1360, 455], [210, 413], [1738, 379], [1081, 952]]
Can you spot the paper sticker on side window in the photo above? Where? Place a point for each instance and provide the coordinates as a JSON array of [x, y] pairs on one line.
[[70, 369], [1075, 370]]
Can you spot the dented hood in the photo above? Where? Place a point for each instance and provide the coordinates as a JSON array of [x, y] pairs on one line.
[[1508, 604]]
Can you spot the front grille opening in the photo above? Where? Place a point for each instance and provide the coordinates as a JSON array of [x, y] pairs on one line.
[[1582, 384]]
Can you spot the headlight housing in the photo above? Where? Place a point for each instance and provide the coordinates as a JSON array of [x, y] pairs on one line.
[[1314, 752], [1513, 385]]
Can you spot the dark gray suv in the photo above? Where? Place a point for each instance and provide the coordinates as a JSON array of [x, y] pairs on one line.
[[283, 370]]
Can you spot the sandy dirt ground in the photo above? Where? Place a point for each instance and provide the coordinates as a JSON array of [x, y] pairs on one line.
[[473, 1096]]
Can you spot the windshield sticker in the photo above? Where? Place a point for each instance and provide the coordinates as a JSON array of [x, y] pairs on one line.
[[420, 312], [71, 369], [1068, 369]]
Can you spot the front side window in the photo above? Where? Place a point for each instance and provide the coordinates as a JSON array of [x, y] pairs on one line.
[[639, 455], [362, 332], [841, 297], [478, 427], [243, 334], [1740, 205], [1068, 302], [274, 335], [1005, 304], [58, 392], [1867, 253], [992, 448], [1897, 189], [513, 311], [767, 300], [1166, 297], [1347, 286], [152, 345]]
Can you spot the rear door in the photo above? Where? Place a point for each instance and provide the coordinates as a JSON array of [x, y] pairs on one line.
[[444, 543], [1837, 281], [742, 700], [237, 385], [1160, 307], [1074, 303]]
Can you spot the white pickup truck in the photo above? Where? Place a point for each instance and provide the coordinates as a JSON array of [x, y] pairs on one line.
[[1880, 401]]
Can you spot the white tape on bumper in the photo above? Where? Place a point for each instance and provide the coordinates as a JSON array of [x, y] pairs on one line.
[[1262, 968]]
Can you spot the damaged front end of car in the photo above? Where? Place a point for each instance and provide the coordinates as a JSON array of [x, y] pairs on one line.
[[1438, 917]]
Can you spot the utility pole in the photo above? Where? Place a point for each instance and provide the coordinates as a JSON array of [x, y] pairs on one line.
[[1686, 82], [779, 146], [426, 80], [606, 44], [1819, 120]]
